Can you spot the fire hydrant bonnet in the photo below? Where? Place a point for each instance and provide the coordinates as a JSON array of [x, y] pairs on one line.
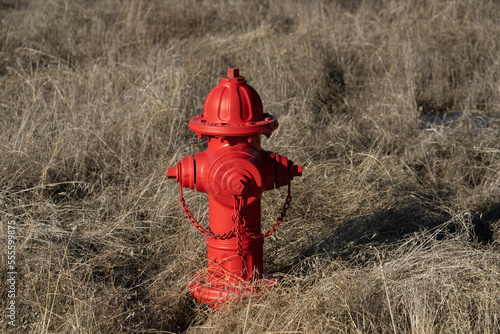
[[233, 108]]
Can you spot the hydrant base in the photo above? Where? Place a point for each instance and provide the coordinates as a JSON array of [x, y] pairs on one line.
[[214, 292]]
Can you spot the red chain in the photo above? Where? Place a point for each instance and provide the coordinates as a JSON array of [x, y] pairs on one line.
[[197, 225], [239, 222], [288, 200]]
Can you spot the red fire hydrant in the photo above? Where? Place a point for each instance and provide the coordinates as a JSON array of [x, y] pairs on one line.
[[233, 171]]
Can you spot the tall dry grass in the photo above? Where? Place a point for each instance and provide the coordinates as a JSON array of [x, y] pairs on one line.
[[391, 106]]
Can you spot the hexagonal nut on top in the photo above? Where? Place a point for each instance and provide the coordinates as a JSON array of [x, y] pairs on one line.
[[233, 73]]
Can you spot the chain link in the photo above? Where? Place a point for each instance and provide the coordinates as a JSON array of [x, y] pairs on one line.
[[286, 206], [197, 225], [240, 225]]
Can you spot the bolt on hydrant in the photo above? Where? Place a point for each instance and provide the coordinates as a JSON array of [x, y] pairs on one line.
[[233, 172]]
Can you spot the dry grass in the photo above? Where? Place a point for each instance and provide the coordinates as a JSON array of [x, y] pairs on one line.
[[393, 108]]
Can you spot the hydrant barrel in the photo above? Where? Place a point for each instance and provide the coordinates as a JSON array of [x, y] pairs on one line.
[[234, 171]]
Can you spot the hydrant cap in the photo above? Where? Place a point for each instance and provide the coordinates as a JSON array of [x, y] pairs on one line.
[[233, 108]]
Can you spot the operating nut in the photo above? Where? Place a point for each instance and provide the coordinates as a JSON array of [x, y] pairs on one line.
[[237, 184]]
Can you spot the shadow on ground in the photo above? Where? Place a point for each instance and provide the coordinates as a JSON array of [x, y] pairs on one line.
[[351, 239]]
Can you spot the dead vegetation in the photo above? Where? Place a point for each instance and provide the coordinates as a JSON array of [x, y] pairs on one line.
[[391, 106]]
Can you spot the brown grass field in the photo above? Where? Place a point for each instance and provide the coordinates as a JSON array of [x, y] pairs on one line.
[[392, 107]]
